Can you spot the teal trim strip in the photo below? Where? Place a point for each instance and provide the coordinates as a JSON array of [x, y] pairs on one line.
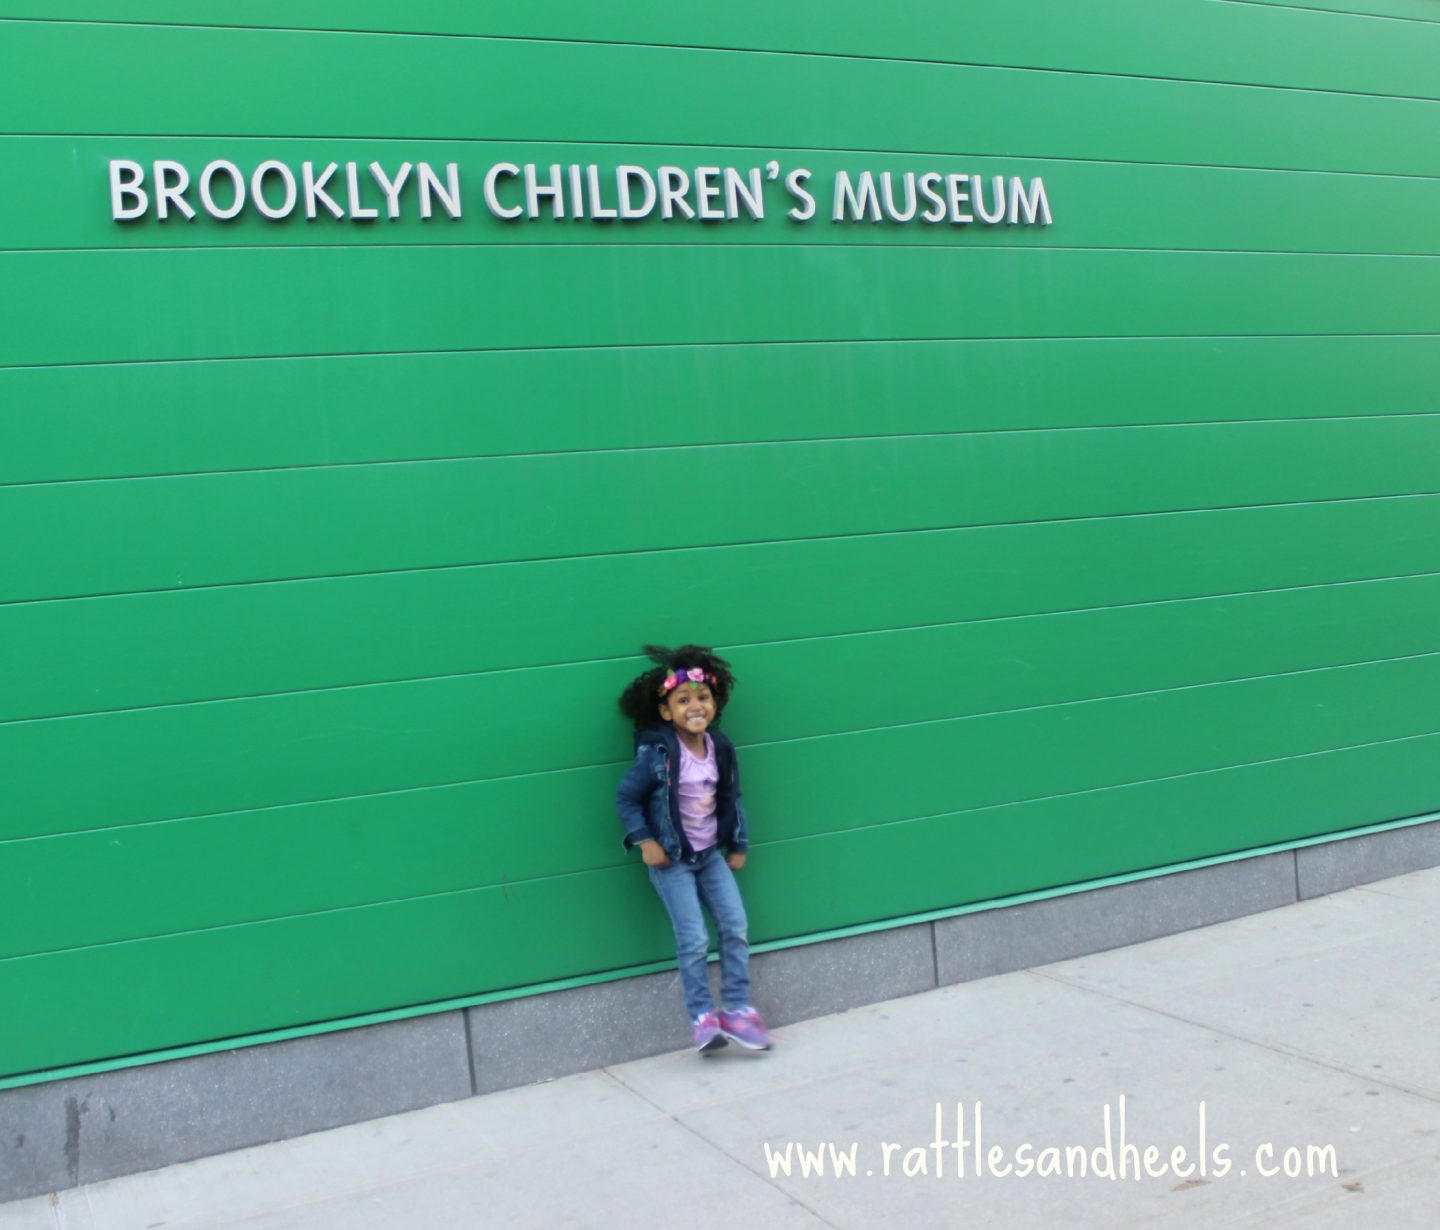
[[563, 984]]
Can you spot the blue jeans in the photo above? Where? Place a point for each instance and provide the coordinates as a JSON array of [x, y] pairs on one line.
[[684, 888]]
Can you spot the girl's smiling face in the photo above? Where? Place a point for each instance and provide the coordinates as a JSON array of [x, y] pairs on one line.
[[690, 708]]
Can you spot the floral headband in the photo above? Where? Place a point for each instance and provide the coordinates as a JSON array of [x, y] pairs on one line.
[[693, 675]]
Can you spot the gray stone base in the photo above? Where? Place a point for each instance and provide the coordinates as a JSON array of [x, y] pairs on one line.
[[1335, 865], [1057, 928], [85, 1129], [96, 1127]]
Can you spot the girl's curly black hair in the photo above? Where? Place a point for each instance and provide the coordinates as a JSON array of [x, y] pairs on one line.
[[640, 701]]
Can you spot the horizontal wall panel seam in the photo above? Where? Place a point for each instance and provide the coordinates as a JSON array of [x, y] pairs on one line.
[[721, 49], [758, 845], [1263, 162], [774, 147], [994, 155], [1254, 21], [619, 765], [877, 437], [1118, 786], [1379, 415], [934, 529], [209, 417], [1264, 130], [937, 339], [1338, 12], [1383, 501], [616, 150], [1399, 287], [787, 245], [554, 664], [1093, 700]]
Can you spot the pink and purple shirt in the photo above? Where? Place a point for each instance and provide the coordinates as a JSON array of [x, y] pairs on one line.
[[696, 786]]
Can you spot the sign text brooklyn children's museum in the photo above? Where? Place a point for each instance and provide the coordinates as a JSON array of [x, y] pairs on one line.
[[168, 191]]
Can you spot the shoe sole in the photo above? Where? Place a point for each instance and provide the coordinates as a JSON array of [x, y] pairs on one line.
[[749, 1046], [716, 1043]]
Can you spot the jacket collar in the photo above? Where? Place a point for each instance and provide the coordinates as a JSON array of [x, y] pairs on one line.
[[662, 734]]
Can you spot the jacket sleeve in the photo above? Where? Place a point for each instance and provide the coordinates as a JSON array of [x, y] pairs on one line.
[[740, 838], [630, 799]]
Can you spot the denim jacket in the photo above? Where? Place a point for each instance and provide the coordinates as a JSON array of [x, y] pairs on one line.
[[649, 795]]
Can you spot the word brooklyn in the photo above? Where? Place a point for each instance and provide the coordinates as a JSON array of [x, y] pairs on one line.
[[167, 191]]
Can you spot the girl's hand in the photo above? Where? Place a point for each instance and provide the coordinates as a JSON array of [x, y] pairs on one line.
[[736, 860], [654, 854]]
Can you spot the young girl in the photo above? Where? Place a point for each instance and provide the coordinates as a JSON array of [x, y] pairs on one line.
[[680, 803]]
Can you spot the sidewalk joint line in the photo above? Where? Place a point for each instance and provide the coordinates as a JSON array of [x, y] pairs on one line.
[[719, 1148], [1277, 1048]]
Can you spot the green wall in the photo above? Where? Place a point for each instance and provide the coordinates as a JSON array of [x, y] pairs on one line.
[[1043, 553]]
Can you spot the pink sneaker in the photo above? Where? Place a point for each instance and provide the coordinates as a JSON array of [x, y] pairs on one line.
[[745, 1027], [705, 1033]]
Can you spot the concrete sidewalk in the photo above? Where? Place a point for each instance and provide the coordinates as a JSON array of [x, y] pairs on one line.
[[1312, 1025]]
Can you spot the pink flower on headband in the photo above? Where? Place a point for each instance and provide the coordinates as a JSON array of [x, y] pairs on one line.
[[670, 682], [696, 674]]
